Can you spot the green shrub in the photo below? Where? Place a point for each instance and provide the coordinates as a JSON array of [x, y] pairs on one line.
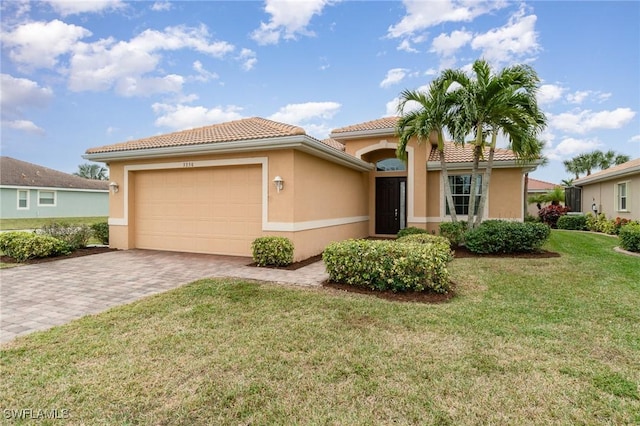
[[272, 251], [630, 237], [600, 223], [76, 236], [496, 236], [551, 214], [387, 265], [28, 245], [454, 232], [531, 218], [101, 232], [438, 241], [573, 222], [412, 230]]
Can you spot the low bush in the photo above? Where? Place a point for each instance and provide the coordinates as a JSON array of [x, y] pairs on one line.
[[572, 222], [454, 232], [438, 241], [76, 236], [101, 232], [272, 251], [550, 214], [387, 265], [531, 218], [496, 236], [412, 230], [630, 237], [600, 223], [28, 245]]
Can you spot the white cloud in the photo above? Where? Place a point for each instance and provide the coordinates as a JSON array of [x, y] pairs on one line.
[[406, 46], [300, 113], [549, 93], [23, 125], [394, 76], [586, 120], [74, 7], [288, 19], [180, 117], [132, 86], [39, 44], [446, 45], [391, 107], [203, 74], [248, 59], [161, 6], [635, 138], [517, 40], [425, 14], [578, 97], [570, 147]]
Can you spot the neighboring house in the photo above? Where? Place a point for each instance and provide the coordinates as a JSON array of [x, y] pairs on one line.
[[215, 189], [614, 191], [537, 187], [29, 191]]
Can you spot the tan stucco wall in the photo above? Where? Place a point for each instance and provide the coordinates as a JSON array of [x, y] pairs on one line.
[[506, 194], [603, 194]]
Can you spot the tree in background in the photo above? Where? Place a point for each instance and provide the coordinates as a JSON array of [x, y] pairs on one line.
[[92, 171], [587, 162]]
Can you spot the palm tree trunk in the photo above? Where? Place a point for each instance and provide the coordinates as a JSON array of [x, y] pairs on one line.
[[477, 152], [445, 179], [524, 195], [486, 180]]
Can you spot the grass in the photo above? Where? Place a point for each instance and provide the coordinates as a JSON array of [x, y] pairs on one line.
[[526, 341], [35, 223]]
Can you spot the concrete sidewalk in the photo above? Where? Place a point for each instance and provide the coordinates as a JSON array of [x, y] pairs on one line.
[[40, 296]]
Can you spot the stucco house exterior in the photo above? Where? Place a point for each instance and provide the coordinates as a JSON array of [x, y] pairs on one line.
[[614, 191], [537, 187], [215, 189], [31, 191]]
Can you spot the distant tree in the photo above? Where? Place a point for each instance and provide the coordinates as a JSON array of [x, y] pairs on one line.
[[610, 158], [92, 171], [567, 182], [587, 162]]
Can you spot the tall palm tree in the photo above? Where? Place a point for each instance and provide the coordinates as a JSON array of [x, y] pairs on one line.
[[432, 117], [611, 158], [491, 104], [92, 171], [573, 166]]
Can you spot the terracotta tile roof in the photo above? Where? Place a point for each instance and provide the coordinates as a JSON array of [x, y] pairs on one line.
[[333, 144], [632, 166], [238, 130], [20, 173], [540, 185], [458, 154], [379, 124]]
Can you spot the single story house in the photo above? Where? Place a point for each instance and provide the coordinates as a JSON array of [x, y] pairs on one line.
[[31, 191], [537, 187], [614, 191], [215, 189]]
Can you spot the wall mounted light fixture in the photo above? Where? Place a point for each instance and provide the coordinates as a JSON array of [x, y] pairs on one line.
[[114, 187], [279, 183]]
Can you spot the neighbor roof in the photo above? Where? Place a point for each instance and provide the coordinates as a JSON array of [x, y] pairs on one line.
[[455, 153], [20, 173], [540, 185], [245, 129], [386, 125], [624, 169]]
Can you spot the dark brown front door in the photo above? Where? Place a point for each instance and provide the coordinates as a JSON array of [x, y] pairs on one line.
[[390, 204]]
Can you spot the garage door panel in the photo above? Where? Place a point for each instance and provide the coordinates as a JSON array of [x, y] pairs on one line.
[[205, 210]]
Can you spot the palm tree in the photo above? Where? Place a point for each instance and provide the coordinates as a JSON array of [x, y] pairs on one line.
[[433, 116], [493, 104], [92, 171], [572, 166], [585, 163], [567, 182], [610, 158]]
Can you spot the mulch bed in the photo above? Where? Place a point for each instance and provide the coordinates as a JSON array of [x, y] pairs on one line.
[[78, 253], [293, 266]]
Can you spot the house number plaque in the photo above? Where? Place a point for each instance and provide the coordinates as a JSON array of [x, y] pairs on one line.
[[188, 164]]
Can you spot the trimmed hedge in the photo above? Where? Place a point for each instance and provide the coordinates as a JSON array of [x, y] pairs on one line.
[[412, 230], [101, 232], [386, 265], [27, 245], [440, 242], [573, 222], [496, 236], [76, 236], [454, 232], [272, 251], [629, 236]]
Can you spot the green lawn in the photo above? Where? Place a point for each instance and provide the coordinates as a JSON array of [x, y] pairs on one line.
[[542, 341], [34, 223]]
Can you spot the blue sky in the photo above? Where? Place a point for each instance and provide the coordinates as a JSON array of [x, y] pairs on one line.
[[81, 74]]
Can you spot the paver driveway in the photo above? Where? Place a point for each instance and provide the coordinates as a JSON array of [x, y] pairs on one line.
[[40, 296]]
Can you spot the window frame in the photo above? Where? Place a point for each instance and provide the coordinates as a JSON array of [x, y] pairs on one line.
[[447, 213], [55, 198], [619, 197], [26, 191]]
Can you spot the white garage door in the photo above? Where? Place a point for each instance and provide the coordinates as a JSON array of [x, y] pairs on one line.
[[203, 210]]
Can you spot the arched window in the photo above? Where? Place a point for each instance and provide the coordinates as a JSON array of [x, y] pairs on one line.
[[391, 165]]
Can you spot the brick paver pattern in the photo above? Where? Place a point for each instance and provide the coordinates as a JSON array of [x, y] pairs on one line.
[[40, 296]]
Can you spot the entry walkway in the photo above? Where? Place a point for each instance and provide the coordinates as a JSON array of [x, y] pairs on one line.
[[40, 296]]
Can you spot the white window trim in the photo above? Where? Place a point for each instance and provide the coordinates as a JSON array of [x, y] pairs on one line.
[[55, 199], [18, 199], [460, 217], [616, 198]]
